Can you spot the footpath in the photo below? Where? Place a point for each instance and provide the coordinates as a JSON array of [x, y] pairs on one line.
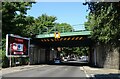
[[18, 68], [101, 73]]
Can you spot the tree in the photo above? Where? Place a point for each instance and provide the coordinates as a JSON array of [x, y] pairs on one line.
[[81, 51], [45, 24], [42, 24], [103, 21], [63, 27], [13, 17], [14, 21], [29, 29]]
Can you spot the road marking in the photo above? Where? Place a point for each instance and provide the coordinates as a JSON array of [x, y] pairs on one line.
[[86, 74], [84, 71]]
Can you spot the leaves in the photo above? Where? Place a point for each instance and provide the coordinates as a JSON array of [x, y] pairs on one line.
[[76, 50], [103, 21], [64, 27], [13, 17], [45, 24]]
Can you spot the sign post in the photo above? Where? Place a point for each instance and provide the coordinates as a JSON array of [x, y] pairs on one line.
[[10, 58]]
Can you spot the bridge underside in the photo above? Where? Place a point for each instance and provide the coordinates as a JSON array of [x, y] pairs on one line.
[[42, 44], [67, 41]]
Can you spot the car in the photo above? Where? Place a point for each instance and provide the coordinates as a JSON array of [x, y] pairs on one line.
[[57, 60], [65, 59], [84, 58], [72, 59]]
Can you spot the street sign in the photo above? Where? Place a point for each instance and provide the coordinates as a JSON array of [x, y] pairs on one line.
[[17, 46], [57, 34]]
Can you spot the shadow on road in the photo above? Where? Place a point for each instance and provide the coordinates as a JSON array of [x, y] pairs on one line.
[[70, 64], [106, 76]]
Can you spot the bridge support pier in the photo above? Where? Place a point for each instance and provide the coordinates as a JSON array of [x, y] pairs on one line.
[[37, 55], [106, 56]]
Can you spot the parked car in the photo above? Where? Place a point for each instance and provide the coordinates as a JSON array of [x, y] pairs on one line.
[[84, 58], [65, 59], [72, 59], [57, 60]]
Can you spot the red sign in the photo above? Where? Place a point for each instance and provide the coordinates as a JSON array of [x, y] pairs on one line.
[[16, 45]]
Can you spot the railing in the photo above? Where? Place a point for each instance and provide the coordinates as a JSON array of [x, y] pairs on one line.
[[50, 30], [64, 34]]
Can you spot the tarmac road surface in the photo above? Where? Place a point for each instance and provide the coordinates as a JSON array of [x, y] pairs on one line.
[[50, 71]]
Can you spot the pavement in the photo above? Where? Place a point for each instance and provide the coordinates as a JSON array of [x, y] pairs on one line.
[[19, 68], [89, 71], [101, 73]]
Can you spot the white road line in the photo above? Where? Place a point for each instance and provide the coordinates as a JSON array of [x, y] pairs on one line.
[[82, 68]]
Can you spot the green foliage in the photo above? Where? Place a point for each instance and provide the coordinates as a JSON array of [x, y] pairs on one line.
[[13, 17], [0, 57], [45, 24], [76, 50], [63, 27], [103, 21], [5, 61], [14, 21]]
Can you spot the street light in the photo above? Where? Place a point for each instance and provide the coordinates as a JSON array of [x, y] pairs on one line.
[[52, 48]]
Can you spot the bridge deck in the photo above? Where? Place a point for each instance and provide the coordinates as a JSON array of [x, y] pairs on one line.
[[64, 34]]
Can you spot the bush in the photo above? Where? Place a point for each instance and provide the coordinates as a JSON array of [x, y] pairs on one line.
[[5, 62]]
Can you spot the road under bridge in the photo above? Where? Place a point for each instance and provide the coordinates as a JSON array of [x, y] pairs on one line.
[[42, 45]]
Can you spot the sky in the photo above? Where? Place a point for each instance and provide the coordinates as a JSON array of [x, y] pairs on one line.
[[61, 0], [73, 13]]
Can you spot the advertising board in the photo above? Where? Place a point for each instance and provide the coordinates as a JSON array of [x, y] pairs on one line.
[[17, 46]]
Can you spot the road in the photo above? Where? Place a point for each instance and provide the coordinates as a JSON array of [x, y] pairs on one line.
[[50, 71]]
